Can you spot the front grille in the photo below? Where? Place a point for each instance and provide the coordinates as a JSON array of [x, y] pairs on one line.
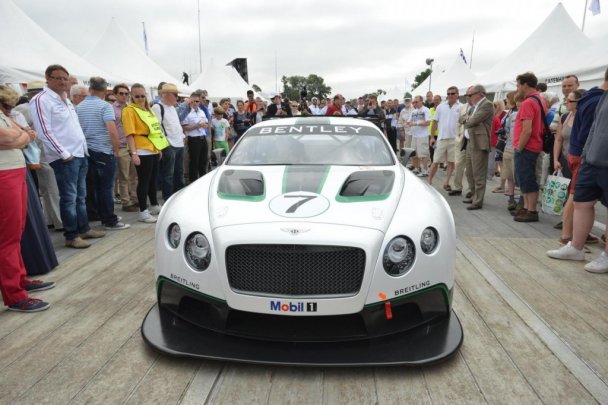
[[295, 270]]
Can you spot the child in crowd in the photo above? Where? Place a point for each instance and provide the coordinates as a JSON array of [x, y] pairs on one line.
[[220, 127]]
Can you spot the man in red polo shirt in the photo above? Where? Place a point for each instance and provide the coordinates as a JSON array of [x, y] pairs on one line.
[[528, 143], [336, 107]]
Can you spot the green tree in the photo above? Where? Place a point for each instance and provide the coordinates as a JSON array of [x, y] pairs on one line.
[[315, 86], [420, 77]]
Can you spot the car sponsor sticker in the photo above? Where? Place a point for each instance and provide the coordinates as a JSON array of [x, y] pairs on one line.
[[412, 288], [299, 204], [290, 306]]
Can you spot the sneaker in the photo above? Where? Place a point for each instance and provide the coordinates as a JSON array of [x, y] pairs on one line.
[[155, 209], [423, 174], [559, 225], [39, 285], [599, 265], [91, 234], [117, 200], [528, 216], [29, 305], [416, 171], [567, 252], [145, 216], [130, 208], [77, 243], [512, 205], [118, 226]]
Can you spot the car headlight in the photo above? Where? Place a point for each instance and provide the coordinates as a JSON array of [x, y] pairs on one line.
[[174, 235], [429, 240], [399, 256], [198, 251]]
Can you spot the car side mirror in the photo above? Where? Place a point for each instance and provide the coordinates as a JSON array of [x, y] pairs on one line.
[[405, 154]]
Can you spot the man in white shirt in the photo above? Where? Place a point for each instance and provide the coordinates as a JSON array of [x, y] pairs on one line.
[[418, 123], [314, 106], [65, 146], [195, 126], [172, 164], [446, 119]]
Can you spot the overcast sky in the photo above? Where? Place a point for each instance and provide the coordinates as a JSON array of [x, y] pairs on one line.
[[356, 46]]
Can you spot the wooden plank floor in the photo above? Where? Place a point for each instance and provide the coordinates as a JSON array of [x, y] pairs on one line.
[[536, 331]]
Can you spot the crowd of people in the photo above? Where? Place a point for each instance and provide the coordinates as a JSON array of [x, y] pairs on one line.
[[81, 151]]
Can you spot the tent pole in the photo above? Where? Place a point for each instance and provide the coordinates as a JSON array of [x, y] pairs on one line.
[[200, 54], [584, 16], [471, 57]]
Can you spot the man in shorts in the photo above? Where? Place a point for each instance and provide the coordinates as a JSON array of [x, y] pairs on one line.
[[528, 143], [446, 120], [591, 186], [418, 123]]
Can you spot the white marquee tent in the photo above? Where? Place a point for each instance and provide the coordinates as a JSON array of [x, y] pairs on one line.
[[117, 53], [221, 82], [22, 33], [457, 74], [589, 64], [551, 44]]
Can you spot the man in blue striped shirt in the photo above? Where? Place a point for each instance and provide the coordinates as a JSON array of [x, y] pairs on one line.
[[97, 120]]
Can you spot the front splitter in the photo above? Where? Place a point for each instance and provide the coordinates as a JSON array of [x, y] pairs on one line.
[[426, 344]]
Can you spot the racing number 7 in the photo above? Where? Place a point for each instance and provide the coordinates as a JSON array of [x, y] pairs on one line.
[[304, 200]]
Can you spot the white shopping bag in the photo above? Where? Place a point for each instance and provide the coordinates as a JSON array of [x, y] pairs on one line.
[[555, 194]]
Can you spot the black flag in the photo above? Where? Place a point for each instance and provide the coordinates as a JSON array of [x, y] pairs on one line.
[[240, 64]]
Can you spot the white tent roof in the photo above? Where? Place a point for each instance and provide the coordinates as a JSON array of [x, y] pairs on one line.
[[221, 82], [457, 74], [551, 44], [28, 50], [396, 92], [117, 53], [588, 64]]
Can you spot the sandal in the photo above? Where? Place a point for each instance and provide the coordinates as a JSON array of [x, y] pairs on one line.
[[498, 190], [447, 187]]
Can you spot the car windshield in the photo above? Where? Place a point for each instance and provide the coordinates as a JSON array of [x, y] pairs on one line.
[[312, 145]]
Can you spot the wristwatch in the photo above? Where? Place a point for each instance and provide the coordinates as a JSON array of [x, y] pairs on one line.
[[133, 153]]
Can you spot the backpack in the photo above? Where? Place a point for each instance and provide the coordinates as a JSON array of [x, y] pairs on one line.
[[548, 136]]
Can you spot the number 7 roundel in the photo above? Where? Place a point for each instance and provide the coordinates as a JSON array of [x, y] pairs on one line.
[[299, 204]]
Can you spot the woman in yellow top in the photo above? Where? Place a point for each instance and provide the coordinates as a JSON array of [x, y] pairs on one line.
[[145, 140]]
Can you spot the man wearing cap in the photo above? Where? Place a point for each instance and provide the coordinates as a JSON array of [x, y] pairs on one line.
[[172, 164], [277, 108], [57, 124], [47, 185], [97, 120], [314, 106]]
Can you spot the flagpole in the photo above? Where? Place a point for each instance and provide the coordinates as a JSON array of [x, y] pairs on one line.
[[200, 53], [276, 75], [471, 57], [584, 16]]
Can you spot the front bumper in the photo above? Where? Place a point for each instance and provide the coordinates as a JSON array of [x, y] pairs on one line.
[[430, 337]]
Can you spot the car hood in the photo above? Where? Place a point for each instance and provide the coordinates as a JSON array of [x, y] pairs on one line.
[[358, 196]]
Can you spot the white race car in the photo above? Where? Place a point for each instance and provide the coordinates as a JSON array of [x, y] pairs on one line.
[[311, 245]]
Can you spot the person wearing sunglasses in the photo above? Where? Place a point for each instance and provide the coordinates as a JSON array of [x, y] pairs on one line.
[[445, 124], [146, 141], [127, 175], [477, 126]]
